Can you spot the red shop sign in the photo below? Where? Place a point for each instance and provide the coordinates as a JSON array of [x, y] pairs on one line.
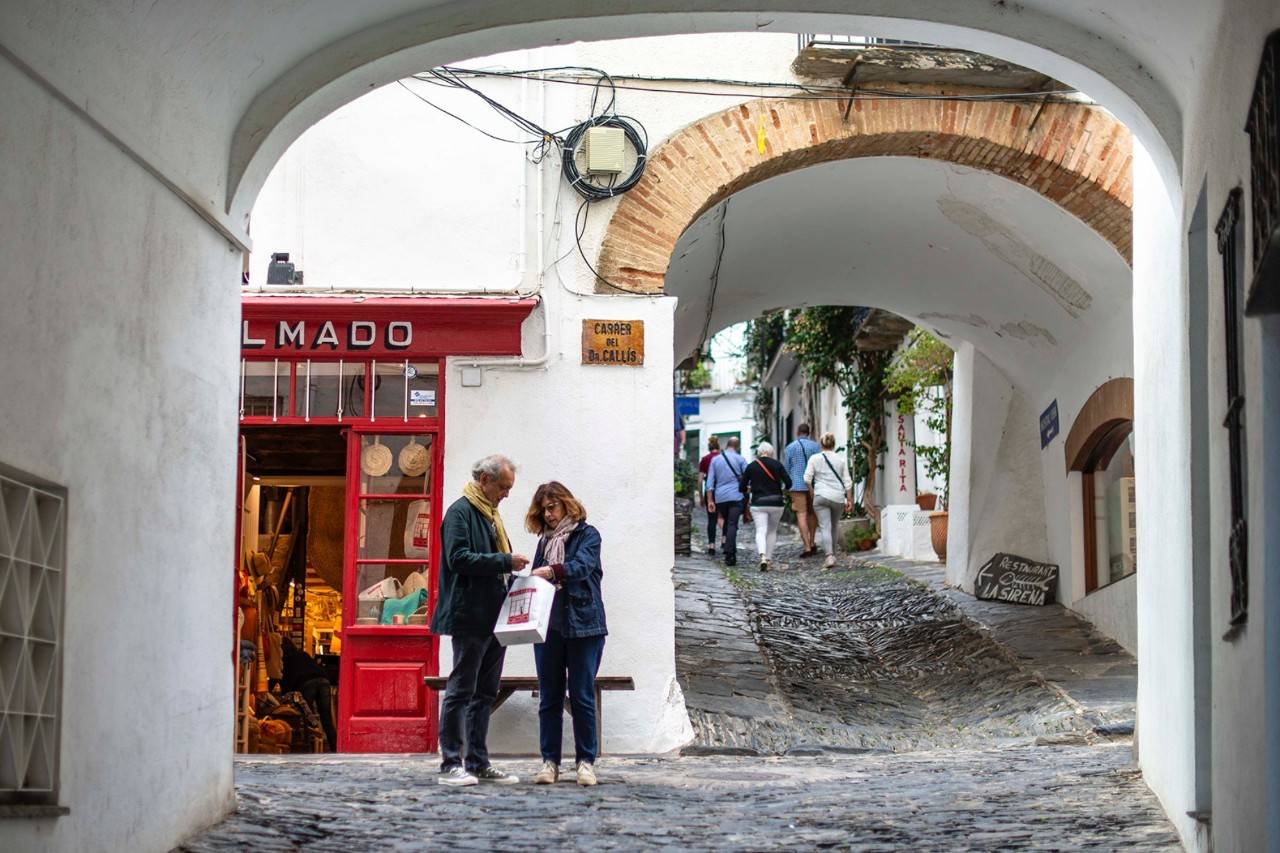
[[299, 327]]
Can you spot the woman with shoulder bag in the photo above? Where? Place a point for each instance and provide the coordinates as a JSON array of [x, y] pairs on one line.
[[828, 476], [763, 483], [568, 555]]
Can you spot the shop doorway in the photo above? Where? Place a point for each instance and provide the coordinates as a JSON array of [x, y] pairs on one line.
[[292, 521]]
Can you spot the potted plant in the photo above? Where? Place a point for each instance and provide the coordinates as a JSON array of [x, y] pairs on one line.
[[927, 501], [919, 375]]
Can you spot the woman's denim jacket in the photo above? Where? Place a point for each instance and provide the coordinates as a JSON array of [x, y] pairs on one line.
[[580, 577]]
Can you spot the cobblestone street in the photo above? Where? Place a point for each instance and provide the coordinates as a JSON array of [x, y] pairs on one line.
[[864, 708]]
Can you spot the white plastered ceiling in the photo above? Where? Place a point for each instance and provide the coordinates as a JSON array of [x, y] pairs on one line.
[[969, 254]]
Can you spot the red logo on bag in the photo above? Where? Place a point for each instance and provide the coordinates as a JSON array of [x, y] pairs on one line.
[[520, 601], [422, 531]]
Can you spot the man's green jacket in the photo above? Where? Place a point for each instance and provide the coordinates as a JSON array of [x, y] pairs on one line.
[[473, 573]]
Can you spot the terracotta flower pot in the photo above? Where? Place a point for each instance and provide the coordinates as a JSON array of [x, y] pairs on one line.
[[938, 533], [926, 501]]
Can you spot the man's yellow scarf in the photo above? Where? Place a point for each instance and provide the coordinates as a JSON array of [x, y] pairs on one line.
[[471, 491]]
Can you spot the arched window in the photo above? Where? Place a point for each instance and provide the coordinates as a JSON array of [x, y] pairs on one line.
[[1099, 446]]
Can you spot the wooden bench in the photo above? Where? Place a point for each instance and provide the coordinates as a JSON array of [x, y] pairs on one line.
[[514, 683]]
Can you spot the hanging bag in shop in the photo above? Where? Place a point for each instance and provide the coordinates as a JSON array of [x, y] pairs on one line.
[[417, 531], [526, 613]]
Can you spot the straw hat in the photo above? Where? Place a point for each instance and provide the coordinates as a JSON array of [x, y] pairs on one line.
[[414, 459], [375, 460]]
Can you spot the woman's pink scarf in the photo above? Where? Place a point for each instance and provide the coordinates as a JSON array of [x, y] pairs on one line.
[[553, 551]]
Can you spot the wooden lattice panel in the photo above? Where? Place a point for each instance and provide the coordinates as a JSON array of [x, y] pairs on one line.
[[32, 554]]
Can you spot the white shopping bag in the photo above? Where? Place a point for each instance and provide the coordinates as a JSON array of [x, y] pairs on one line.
[[526, 614]]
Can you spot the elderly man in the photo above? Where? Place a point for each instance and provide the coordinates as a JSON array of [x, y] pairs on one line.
[[724, 485], [475, 563]]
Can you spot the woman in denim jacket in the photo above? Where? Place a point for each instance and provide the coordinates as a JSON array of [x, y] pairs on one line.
[[568, 555]]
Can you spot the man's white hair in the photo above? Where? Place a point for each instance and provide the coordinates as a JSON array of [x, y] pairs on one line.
[[491, 466], [764, 448]]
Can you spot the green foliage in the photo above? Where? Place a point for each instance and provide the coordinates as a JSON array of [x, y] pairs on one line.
[[686, 478], [822, 340], [697, 378], [920, 377], [859, 533], [761, 340]]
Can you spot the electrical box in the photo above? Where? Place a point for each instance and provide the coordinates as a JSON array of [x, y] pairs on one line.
[[605, 149]]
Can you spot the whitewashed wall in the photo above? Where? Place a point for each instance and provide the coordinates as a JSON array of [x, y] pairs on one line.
[[725, 411], [569, 416], [118, 337], [1181, 78]]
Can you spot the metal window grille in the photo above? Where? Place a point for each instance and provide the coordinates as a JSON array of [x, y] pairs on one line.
[[807, 40], [32, 559], [1229, 247], [1263, 127]]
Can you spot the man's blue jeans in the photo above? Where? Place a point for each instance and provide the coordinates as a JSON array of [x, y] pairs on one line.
[[574, 663], [468, 701]]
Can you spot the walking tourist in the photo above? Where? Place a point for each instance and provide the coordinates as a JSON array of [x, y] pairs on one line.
[[724, 486], [796, 456], [568, 555], [762, 485], [828, 477], [713, 450], [475, 562]]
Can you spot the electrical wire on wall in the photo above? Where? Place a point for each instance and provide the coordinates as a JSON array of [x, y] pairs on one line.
[[567, 142]]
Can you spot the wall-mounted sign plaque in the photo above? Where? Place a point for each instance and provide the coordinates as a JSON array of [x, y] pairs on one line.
[[614, 343], [1049, 425], [1008, 577]]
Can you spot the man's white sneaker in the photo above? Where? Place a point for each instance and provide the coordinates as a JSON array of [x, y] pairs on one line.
[[830, 562], [548, 775], [456, 777], [586, 774], [495, 776]]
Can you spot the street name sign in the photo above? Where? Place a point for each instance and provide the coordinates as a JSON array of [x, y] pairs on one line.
[[613, 343]]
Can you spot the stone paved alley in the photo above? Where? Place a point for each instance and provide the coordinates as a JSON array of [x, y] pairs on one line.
[[864, 708]]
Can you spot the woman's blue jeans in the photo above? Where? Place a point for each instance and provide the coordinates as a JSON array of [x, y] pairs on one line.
[[573, 664]]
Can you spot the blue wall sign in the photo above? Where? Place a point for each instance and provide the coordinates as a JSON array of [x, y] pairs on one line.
[[1049, 425]]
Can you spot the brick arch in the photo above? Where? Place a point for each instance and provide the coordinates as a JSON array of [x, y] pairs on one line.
[[1075, 155]]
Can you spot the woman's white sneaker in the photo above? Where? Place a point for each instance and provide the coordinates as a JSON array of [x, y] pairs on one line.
[[586, 774], [548, 775]]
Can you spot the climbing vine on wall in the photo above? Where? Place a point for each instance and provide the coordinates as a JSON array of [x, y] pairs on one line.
[[760, 343], [822, 339]]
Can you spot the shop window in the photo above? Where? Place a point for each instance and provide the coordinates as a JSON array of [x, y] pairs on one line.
[[32, 560], [264, 389], [1229, 246], [405, 390], [1100, 447], [395, 529], [330, 389]]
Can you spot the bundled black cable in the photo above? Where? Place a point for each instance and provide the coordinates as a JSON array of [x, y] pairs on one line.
[[635, 134]]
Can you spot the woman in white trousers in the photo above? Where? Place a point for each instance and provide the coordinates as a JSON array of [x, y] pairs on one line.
[[827, 475], [763, 484]]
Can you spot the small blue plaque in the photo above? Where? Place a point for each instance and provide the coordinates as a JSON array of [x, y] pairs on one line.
[[1049, 425]]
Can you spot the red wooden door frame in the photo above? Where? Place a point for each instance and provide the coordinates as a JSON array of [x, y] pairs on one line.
[[367, 649]]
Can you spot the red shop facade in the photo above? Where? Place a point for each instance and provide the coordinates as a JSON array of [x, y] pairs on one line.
[[342, 443]]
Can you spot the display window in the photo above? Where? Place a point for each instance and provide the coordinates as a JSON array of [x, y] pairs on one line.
[[341, 415]]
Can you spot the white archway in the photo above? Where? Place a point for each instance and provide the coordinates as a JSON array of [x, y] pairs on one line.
[[1075, 51]]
